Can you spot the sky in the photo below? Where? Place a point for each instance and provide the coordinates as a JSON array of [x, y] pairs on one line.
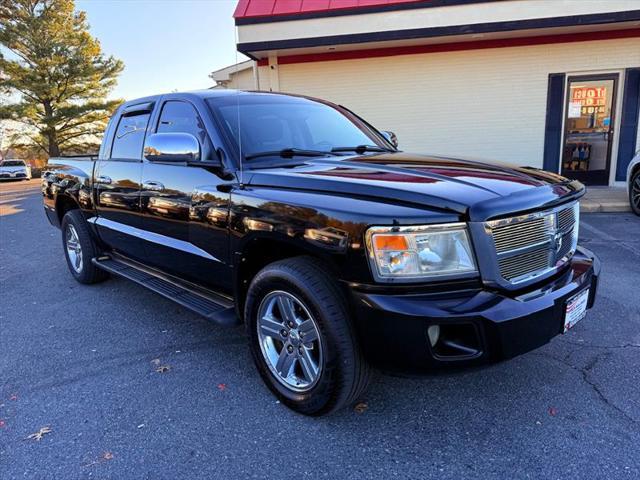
[[165, 45]]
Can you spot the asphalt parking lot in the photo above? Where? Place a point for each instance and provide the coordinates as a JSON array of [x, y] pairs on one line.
[[83, 362]]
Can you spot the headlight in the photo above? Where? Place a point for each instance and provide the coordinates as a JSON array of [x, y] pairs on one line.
[[426, 252]]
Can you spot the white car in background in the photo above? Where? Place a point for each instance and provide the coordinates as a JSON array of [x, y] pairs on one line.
[[14, 170], [633, 183]]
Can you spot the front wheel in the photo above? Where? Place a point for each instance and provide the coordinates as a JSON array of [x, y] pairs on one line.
[[301, 338], [634, 193]]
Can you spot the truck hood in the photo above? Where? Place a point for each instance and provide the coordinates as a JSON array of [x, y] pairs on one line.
[[478, 191]]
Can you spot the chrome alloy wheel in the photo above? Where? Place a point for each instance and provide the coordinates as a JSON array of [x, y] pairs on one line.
[[290, 341], [74, 250], [635, 192]]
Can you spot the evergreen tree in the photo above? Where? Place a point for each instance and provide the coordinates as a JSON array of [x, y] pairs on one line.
[[53, 75]]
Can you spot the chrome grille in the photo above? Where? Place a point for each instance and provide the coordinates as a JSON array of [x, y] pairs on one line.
[[529, 246], [566, 247], [513, 236], [534, 260], [566, 219]]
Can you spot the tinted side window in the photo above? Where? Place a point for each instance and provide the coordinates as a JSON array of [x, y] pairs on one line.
[[182, 117], [129, 137]]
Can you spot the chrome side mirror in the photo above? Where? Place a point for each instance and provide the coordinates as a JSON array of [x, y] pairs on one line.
[[390, 137], [172, 147]]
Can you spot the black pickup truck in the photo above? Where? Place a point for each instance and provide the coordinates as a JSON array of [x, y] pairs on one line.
[[338, 252]]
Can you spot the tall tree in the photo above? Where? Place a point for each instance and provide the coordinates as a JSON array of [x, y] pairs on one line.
[[53, 74]]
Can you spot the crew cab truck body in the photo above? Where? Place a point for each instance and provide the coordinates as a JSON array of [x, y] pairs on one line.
[[337, 251]]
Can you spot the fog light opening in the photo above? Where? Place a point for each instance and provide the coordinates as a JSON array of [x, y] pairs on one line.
[[434, 334], [454, 341]]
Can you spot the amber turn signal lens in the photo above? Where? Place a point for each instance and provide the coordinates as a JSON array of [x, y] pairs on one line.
[[390, 242]]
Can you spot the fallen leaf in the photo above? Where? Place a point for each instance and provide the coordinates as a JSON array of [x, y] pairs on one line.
[[39, 434], [13, 397], [553, 411], [163, 369], [2, 424], [222, 387], [361, 407], [106, 456]]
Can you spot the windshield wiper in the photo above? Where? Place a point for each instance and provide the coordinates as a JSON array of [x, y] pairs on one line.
[[289, 153], [361, 149]]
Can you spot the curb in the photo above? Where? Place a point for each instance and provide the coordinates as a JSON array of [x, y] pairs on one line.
[[587, 206]]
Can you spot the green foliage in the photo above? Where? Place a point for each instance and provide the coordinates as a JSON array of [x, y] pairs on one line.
[[54, 75]]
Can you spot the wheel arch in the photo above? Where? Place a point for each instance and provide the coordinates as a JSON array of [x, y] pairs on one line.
[[635, 169], [65, 203], [260, 252]]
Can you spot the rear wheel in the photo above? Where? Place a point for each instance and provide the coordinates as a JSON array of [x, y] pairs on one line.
[[634, 193], [301, 338], [80, 248]]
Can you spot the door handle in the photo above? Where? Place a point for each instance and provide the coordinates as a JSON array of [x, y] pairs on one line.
[[153, 186], [103, 179]]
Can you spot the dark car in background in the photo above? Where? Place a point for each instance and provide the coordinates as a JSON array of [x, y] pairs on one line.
[[633, 183], [337, 251]]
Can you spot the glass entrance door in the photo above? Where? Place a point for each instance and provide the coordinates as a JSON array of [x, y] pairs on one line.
[[589, 126]]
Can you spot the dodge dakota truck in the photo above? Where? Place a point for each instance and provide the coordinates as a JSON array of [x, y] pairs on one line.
[[340, 254]]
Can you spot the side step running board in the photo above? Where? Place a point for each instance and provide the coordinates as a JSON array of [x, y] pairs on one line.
[[215, 307]]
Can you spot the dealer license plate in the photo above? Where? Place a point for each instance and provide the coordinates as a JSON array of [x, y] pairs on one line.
[[576, 309]]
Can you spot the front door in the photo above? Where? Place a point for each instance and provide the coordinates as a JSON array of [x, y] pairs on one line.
[[184, 215], [589, 126]]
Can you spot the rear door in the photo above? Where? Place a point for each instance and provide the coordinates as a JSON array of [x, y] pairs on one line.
[[117, 183], [184, 213]]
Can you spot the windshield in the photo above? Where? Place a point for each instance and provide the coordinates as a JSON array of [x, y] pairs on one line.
[[270, 124], [12, 163]]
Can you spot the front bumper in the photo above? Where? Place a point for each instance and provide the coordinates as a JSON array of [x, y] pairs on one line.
[[14, 176], [476, 326]]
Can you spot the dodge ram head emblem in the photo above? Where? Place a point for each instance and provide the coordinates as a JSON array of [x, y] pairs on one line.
[[557, 241]]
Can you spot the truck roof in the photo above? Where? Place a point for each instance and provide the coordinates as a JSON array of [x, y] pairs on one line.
[[209, 93]]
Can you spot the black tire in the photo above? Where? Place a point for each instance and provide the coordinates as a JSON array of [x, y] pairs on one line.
[[345, 374], [634, 192], [88, 273]]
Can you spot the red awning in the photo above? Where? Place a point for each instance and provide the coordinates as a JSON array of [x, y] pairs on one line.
[[270, 8]]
